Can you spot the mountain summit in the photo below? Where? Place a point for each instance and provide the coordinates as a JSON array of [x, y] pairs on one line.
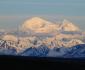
[[40, 25], [34, 23], [68, 26]]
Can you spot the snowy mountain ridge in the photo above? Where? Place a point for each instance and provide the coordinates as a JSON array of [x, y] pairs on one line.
[[40, 25]]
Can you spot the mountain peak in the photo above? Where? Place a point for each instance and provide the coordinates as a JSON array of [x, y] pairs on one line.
[[36, 18], [66, 22], [37, 24], [34, 23], [69, 26]]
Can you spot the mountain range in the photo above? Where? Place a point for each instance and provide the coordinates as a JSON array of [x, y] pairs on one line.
[[39, 37]]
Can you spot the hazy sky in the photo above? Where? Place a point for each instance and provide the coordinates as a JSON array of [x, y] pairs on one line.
[[15, 12]]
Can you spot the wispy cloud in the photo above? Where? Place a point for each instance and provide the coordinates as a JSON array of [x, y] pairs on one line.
[[9, 17], [47, 16], [44, 3]]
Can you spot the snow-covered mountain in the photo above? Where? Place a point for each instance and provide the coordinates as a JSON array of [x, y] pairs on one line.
[[68, 26], [9, 38], [41, 51], [40, 25], [39, 37], [52, 42], [77, 51], [74, 42], [32, 46]]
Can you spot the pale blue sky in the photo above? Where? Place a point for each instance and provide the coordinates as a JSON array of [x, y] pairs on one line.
[[14, 12]]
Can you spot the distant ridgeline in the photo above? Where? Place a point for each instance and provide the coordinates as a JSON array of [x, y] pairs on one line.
[[14, 48], [38, 37]]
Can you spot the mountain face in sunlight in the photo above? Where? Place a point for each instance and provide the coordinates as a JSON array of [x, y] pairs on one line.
[[68, 26], [10, 38], [39, 37], [40, 25]]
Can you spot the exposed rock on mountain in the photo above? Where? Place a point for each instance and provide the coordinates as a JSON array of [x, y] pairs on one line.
[[74, 42], [52, 43], [41, 51]]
